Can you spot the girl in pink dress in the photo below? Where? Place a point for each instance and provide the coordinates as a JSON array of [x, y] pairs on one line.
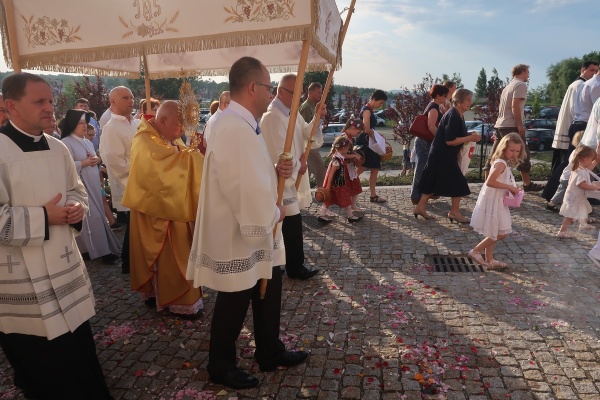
[[491, 217]]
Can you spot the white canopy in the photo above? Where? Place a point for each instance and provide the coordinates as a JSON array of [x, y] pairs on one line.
[[178, 38]]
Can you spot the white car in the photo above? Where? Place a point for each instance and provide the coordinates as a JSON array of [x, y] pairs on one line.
[[331, 132]]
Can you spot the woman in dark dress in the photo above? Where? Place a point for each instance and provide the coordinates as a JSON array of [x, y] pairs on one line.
[[442, 174], [438, 94], [372, 159]]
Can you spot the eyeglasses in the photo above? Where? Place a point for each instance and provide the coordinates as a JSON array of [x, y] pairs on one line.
[[269, 87], [288, 90]]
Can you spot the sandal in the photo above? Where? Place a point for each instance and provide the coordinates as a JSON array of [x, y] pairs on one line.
[[377, 199], [496, 265], [359, 209], [552, 207], [324, 219], [533, 187], [354, 219], [475, 255], [564, 235]]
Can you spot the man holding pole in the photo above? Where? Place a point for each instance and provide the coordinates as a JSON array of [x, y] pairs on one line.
[[316, 166], [274, 125], [234, 247]]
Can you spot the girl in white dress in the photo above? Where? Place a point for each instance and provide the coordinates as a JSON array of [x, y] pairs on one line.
[[491, 217], [575, 204]]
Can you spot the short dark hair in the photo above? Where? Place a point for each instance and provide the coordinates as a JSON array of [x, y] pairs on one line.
[[242, 72], [586, 64], [438, 90], [13, 86], [82, 101], [379, 95], [314, 86]]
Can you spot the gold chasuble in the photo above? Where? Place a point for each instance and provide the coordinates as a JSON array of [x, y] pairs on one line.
[[162, 193]]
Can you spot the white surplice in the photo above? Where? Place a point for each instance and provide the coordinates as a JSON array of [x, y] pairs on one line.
[[233, 244], [45, 289], [115, 146], [274, 124]]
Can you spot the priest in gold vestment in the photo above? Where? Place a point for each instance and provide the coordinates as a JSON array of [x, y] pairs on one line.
[[162, 193]]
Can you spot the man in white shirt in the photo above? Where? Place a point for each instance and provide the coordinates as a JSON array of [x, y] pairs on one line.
[[115, 145], [46, 293], [565, 117], [274, 126], [234, 246], [224, 101]]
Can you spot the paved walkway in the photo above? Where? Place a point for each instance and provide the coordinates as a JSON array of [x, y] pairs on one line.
[[380, 322]]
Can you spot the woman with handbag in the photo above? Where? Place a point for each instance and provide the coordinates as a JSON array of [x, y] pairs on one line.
[[372, 159], [438, 95], [442, 175]]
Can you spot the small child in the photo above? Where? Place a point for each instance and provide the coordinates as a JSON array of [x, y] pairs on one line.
[[564, 178], [337, 180], [575, 205], [353, 128], [406, 163], [491, 217]]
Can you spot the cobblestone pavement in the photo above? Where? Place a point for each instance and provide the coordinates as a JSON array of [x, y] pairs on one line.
[[380, 322]]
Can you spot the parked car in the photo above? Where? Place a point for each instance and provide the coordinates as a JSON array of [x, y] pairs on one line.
[[488, 130], [331, 132], [340, 116], [380, 121], [539, 123], [204, 114], [528, 109], [550, 112], [539, 139]]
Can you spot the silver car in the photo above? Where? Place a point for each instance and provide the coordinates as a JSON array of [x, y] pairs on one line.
[[331, 132]]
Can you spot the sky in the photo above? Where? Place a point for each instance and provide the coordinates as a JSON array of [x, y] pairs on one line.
[[394, 43]]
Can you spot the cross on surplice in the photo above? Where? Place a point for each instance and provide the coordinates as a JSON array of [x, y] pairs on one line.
[[9, 263], [67, 254]]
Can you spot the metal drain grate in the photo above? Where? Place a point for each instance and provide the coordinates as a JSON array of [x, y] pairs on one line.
[[454, 264]]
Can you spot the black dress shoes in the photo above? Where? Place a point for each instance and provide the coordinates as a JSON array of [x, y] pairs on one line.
[[286, 359], [110, 259], [303, 273], [235, 379]]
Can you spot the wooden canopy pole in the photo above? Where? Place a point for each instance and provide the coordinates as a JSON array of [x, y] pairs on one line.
[[12, 35], [147, 85], [290, 135], [321, 104]]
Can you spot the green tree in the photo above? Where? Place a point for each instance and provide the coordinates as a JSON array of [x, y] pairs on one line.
[[481, 85], [541, 92], [167, 88], [456, 78], [535, 108]]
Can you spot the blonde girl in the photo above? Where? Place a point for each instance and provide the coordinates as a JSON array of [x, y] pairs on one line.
[[575, 205], [491, 217]]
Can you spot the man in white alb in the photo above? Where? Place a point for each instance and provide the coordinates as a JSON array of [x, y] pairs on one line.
[[46, 298]]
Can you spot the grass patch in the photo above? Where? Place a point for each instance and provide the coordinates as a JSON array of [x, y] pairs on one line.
[[542, 156]]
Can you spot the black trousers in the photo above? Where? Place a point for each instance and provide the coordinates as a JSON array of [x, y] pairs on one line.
[[558, 157], [575, 127], [125, 248], [228, 318], [65, 368], [293, 240]]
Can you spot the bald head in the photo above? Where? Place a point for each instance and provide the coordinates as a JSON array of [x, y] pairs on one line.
[[224, 100], [121, 101], [168, 121]]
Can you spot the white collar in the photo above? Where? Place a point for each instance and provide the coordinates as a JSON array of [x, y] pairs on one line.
[[242, 112], [36, 138], [338, 154], [278, 104]]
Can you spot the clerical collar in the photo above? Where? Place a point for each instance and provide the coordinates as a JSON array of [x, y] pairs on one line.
[[242, 112], [581, 78], [278, 104], [34, 137]]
